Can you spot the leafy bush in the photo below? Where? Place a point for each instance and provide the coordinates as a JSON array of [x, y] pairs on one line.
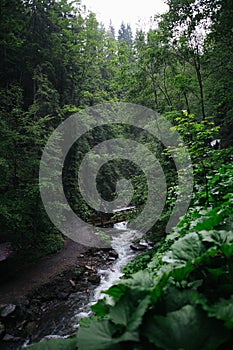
[[139, 263], [189, 297], [185, 289]]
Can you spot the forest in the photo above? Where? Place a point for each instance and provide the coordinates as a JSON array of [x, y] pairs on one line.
[[58, 60]]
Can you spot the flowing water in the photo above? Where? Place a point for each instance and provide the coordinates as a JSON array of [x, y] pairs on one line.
[[121, 239], [65, 317], [121, 244]]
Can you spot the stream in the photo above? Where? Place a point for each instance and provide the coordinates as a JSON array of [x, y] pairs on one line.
[[64, 319]]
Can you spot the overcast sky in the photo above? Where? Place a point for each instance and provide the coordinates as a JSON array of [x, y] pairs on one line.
[[128, 11]]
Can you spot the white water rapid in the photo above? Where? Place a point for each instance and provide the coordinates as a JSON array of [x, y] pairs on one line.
[[121, 244], [121, 239]]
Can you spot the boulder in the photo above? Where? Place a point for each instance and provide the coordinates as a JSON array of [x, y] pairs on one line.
[[138, 247], [113, 254], [7, 310]]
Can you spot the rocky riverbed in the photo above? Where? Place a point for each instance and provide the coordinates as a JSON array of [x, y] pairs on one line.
[[31, 317], [51, 297]]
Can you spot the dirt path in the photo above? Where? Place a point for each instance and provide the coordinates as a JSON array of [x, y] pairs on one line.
[[34, 276]]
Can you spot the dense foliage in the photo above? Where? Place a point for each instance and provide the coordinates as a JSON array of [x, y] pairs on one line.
[[57, 60]]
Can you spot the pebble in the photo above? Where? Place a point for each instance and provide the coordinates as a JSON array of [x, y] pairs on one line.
[[113, 254]]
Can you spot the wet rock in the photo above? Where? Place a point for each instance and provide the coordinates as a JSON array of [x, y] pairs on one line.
[[7, 310], [95, 279], [2, 329], [138, 247], [9, 337], [113, 254]]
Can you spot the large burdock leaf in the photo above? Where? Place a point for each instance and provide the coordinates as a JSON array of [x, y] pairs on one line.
[[181, 272], [55, 344], [101, 336], [98, 336], [100, 308], [137, 315], [116, 291], [223, 310], [176, 298], [187, 248], [121, 312], [221, 239], [141, 281], [217, 237], [127, 314], [124, 315], [186, 329]]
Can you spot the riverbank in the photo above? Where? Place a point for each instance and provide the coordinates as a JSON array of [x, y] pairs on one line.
[[24, 280], [29, 301]]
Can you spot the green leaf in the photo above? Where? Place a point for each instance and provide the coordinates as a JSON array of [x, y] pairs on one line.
[[227, 250], [141, 281], [217, 237], [116, 291], [55, 344], [186, 329], [100, 308], [158, 289], [180, 273], [99, 336], [187, 248], [127, 314], [222, 239], [175, 298], [223, 310], [121, 312], [137, 316]]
